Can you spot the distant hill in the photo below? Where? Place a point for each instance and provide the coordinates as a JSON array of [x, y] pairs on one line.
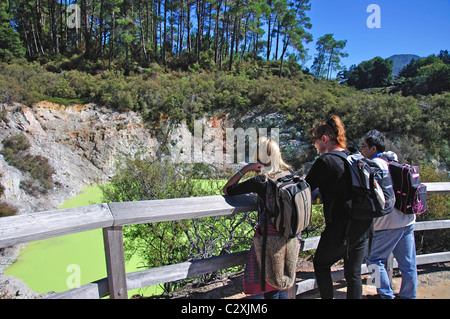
[[400, 60]]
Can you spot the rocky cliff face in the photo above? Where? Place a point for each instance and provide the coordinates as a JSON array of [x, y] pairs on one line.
[[81, 142]]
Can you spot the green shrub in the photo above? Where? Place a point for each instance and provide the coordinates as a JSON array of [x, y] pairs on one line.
[[7, 210], [16, 154], [165, 243], [16, 143]]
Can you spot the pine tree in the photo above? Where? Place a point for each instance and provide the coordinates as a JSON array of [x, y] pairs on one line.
[[329, 52], [10, 44]]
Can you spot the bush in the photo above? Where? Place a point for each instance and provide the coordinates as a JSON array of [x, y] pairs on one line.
[[7, 210], [165, 243], [16, 143], [16, 154]]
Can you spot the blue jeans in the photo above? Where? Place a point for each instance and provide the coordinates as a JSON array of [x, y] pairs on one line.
[[401, 242], [276, 294]]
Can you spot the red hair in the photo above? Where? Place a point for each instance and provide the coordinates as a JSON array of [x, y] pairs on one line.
[[333, 128]]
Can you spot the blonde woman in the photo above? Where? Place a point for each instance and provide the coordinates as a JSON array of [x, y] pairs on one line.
[[270, 164]]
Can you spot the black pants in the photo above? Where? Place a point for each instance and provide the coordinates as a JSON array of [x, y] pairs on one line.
[[330, 250]]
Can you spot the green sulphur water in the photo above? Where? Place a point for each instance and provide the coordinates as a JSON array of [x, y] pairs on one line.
[[59, 263]]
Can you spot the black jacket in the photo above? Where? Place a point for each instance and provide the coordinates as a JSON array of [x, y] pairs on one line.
[[331, 176]]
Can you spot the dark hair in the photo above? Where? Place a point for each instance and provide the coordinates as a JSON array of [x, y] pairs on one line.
[[333, 128], [375, 138]]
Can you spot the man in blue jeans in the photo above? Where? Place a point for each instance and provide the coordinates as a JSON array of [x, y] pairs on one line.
[[393, 233]]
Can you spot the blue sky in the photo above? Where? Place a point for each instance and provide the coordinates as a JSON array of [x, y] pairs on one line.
[[407, 27]]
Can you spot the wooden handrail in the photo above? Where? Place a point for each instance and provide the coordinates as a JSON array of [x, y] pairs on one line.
[[112, 216], [36, 226]]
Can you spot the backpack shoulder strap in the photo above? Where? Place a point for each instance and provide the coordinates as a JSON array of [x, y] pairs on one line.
[[334, 200], [341, 155], [338, 153], [280, 175], [263, 254], [264, 243]]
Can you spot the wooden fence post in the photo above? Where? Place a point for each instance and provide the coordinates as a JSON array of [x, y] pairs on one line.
[[115, 262], [291, 293], [390, 267]]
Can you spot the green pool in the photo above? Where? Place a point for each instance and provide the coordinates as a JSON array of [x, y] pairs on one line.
[[58, 264]]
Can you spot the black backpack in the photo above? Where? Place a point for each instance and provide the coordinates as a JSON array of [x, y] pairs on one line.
[[372, 191], [410, 193]]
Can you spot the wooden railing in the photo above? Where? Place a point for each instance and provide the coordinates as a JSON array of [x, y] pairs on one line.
[[112, 216]]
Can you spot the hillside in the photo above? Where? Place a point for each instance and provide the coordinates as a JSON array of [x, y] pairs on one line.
[[250, 91], [400, 60]]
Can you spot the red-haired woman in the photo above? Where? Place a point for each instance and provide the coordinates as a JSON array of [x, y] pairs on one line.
[[330, 174]]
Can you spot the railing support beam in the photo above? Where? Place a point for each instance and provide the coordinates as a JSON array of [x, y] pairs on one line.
[[115, 262]]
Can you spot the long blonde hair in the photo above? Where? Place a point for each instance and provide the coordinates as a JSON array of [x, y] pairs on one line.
[[269, 153]]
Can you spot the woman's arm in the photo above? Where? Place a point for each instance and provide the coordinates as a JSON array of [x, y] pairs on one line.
[[237, 177]]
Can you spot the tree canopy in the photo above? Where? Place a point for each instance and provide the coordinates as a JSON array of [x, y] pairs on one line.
[[10, 44], [427, 75], [376, 72], [329, 52], [168, 32]]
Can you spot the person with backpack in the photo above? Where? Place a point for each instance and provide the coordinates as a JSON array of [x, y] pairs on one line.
[[270, 165], [343, 236], [393, 233]]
